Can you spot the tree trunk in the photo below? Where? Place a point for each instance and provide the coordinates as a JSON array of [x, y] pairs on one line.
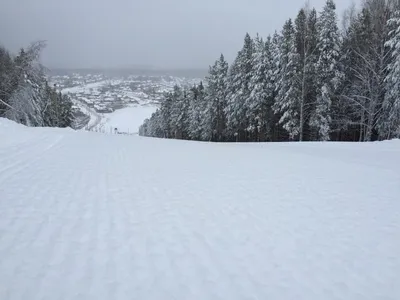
[[303, 95], [370, 124]]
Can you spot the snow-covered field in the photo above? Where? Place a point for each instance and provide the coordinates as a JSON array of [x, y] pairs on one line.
[[126, 120], [92, 216], [90, 87]]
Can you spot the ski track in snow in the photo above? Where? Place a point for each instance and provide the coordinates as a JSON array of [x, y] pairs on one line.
[[92, 216]]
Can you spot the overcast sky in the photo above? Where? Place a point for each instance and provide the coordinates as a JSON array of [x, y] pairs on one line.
[[160, 33]]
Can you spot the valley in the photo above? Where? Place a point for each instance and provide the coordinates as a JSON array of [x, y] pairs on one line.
[[99, 97]]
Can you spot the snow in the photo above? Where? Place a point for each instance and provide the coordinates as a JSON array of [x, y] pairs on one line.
[[127, 119], [95, 117], [87, 87], [93, 216]]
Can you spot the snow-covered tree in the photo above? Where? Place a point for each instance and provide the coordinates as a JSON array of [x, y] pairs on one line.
[[327, 70], [25, 96], [261, 88], [390, 119], [234, 108], [365, 69], [357, 58], [222, 81], [7, 87], [289, 91], [214, 121], [179, 113], [27, 102], [165, 115], [306, 45], [209, 114], [311, 82], [152, 127], [239, 78], [196, 108]]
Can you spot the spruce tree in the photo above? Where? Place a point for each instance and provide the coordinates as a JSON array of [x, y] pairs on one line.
[[327, 70], [222, 73], [261, 91], [238, 90], [196, 107], [179, 113], [304, 84], [234, 107], [209, 114], [289, 88], [390, 119], [165, 115]]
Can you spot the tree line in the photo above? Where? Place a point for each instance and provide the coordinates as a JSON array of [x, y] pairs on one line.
[[25, 94], [309, 82]]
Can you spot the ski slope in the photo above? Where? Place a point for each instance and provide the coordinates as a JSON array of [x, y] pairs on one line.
[[92, 216], [126, 120]]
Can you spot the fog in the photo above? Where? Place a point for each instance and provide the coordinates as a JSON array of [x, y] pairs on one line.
[[127, 33]]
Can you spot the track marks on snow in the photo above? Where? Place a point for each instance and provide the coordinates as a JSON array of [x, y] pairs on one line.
[[89, 216]]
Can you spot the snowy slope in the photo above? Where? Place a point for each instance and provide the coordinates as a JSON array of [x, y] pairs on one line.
[[127, 119], [92, 216]]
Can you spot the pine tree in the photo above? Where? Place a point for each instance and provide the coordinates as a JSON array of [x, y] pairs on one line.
[[214, 114], [238, 90], [7, 85], [278, 133], [155, 128], [257, 93], [380, 14], [390, 120], [50, 113], [233, 110], [209, 113], [327, 70], [261, 91], [289, 88], [25, 95], [66, 115], [306, 46], [222, 73], [196, 107], [165, 115], [179, 113], [305, 84], [303, 51], [27, 102]]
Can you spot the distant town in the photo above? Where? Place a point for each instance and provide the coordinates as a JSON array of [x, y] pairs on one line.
[[99, 93]]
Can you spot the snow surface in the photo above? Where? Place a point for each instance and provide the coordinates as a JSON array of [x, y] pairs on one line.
[[92, 216], [94, 117], [88, 87], [127, 119]]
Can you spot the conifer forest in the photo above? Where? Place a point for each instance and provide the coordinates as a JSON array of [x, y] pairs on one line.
[[25, 94], [316, 79]]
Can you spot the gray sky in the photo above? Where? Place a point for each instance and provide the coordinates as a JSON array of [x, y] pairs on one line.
[[161, 33]]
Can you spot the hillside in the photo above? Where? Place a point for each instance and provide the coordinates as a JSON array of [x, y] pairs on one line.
[[94, 216]]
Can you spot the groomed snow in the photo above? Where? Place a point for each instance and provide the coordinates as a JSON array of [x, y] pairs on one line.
[[127, 119], [93, 216]]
